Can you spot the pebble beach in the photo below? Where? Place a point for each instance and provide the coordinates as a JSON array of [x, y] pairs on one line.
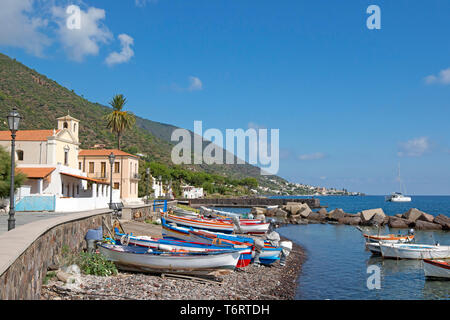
[[250, 283]]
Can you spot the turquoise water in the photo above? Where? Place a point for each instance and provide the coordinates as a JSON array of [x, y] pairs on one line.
[[337, 263]]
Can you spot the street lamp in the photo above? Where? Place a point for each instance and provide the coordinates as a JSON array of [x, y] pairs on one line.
[[147, 171], [111, 157], [13, 123]]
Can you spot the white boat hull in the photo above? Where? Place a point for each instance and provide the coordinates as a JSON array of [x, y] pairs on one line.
[[414, 251], [436, 270], [404, 199], [374, 247], [201, 264], [253, 228]]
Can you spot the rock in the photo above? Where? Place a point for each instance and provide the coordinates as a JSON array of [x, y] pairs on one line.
[[424, 225], [258, 210], [322, 211], [355, 220], [305, 211], [367, 215], [399, 215], [426, 217], [443, 220], [400, 223], [280, 213], [373, 217], [293, 219], [317, 216], [63, 276], [412, 214], [353, 215], [271, 212], [336, 214]]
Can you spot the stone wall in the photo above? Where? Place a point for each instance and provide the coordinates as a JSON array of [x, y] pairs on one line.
[[143, 212], [27, 251]]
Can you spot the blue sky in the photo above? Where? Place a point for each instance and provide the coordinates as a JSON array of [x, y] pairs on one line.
[[350, 103]]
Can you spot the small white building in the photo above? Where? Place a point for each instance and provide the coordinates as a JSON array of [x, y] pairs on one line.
[[54, 182], [190, 192]]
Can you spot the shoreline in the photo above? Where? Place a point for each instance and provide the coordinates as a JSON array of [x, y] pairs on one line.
[[250, 283]]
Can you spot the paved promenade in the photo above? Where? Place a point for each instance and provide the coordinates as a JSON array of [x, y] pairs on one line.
[[27, 217]]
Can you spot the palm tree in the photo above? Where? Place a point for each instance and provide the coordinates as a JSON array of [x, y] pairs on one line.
[[119, 120]]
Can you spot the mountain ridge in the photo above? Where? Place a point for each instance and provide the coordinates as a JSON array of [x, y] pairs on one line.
[[41, 100]]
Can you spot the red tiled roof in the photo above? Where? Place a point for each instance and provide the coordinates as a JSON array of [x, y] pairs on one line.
[[84, 178], [103, 152], [28, 135], [35, 173]]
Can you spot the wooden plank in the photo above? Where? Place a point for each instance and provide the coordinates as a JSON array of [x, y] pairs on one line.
[[205, 279]]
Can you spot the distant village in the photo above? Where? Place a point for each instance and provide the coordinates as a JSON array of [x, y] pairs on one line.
[[288, 188]]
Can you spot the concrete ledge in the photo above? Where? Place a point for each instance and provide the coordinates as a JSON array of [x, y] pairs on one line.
[[30, 247]]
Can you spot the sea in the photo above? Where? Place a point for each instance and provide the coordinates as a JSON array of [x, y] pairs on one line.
[[338, 267]]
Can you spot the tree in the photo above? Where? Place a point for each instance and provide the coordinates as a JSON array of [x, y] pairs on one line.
[[5, 174], [119, 120]]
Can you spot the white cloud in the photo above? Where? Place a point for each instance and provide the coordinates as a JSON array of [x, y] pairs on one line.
[[19, 29], [79, 43], [143, 3], [123, 56], [414, 147], [312, 156], [443, 77], [195, 84]]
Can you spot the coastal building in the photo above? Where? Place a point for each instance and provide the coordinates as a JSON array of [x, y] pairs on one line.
[[49, 159], [190, 192], [125, 172]]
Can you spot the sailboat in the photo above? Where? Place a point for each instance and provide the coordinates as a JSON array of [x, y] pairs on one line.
[[398, 196]]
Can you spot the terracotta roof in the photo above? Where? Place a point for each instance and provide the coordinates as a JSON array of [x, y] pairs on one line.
[[35, 173], [28, 135], [84, 178], [104, 152]]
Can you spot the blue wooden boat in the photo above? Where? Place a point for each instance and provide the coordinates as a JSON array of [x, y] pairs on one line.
[[269, 254], [178, 246]]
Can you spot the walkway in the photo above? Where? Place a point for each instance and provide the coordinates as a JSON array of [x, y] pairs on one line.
[[27, 217]]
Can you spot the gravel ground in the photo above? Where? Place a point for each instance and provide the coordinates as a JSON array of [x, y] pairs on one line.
[[250, 283]]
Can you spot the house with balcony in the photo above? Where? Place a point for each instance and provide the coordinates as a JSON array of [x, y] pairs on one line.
[[190, 192], [49, 159], [125, 171]]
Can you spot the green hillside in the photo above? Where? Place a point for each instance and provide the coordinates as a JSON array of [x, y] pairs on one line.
[[41, 100]]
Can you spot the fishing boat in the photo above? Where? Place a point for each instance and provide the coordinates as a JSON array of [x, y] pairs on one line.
[[389, 238], [207, 211], [184, 213], [374, 248], [269, 254], [142, 259], [414, 251], [436, 269], [177, 245], [201, 223]]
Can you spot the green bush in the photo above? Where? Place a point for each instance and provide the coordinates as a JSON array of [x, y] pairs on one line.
[[96, 264]]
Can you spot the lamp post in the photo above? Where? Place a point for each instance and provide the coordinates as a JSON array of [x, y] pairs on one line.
[[111, 157], [147, 171], [13, 123]]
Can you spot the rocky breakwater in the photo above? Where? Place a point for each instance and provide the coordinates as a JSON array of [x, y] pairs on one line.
[[300, 213]]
